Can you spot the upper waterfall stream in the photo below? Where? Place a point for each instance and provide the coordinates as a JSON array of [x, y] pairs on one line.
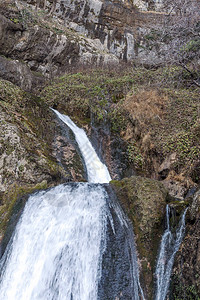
[[97, 172]]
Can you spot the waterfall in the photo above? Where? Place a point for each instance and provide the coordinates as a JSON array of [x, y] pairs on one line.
[[97, 171], [170, 244], [72, 242], [55, 249]]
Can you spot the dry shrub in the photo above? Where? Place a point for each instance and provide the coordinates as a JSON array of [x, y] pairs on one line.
[[146, 106]]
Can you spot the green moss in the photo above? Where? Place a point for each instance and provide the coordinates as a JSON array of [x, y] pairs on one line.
[[134, 155], [93, 91], [10, 198]]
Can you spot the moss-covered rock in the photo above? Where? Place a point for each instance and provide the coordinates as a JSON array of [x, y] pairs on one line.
[[10, 197], [144, 200], [28, 148]]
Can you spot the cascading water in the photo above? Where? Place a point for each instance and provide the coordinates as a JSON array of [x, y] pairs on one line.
[[68, 240], [55, 250], [97, 172], [169, 246]]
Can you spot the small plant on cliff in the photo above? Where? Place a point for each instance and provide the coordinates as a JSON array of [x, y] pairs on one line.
[[134, 155]]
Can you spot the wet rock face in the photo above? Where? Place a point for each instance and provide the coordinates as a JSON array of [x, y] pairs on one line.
[[185, 283], [144, 200], [67, 153]]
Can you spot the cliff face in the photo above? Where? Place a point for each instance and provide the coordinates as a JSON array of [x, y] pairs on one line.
[[34, 43], [110, 22]]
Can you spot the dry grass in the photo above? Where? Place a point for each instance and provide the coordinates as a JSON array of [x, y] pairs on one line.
[[146, 106]]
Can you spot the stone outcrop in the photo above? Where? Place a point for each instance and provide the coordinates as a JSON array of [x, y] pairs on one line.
[[20, 74]]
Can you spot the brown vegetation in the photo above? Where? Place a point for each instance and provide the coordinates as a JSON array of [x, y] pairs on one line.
[[146, 106]]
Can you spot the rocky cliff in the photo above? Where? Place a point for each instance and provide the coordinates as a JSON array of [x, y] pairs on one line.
[[34, 43]]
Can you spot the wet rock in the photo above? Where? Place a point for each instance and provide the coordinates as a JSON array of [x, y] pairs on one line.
[[144, 200], [67, 153], [185, 281]]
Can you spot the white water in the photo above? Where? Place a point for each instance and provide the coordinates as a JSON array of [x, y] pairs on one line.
[[56, 250], [169, 246], [97, 172]]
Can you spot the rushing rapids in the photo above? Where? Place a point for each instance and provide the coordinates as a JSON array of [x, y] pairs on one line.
[[72, 242]]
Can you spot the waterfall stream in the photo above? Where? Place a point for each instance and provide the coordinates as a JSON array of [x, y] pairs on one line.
[[72, 242], [97, 172], [55, 251], [169, 246]]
